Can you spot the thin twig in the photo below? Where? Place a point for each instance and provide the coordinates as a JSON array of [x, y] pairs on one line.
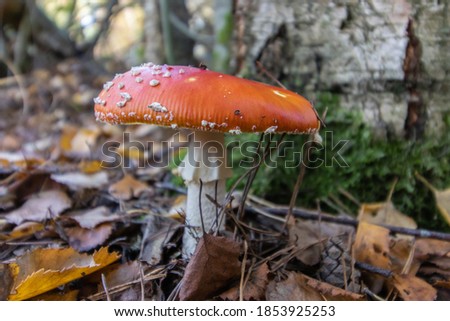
[[268, 74], [141, 277], [373, 269], [299, 181], [241, 282], [200, 205], [105, 287], [313, 215]]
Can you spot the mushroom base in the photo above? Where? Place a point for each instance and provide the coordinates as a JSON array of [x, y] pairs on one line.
[[208, 211], [203, 169]]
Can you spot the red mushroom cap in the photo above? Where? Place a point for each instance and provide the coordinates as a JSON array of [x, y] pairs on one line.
[[200, 99]]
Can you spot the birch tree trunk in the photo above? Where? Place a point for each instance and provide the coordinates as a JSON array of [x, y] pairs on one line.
[[388, 59]]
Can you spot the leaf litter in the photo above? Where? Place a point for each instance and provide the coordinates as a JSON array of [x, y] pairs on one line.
[[64, 219]]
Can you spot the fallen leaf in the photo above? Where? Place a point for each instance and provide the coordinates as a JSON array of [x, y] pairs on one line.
[[83, 239], [411, 288], [40, 207], [41, 270], [158, 233], [83, 140], [6, 281], [119, 274], [426, 248], [66, 137], [328, 291], [385, 213], [92, 217], [371, 246], [77, 180], [17, 160], [291, 289], [25, 229], [442, 198], [401, 252], [90, 167], [310, 237], [255, 288], [127, 188], [214, 264]]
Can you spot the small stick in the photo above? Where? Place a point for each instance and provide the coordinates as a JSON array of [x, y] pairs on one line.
[[241, 282], [312, 215], [105, 287]]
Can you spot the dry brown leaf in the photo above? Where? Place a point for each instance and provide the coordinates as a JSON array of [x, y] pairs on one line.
[[330, 292], [119, 274], [93, 217], [385, 213], [40, 207], [255, 289], [310, 237], [158, 233], [371, 246], [291, 289], [127, 188], [77, 180], [411, 288], [41, 270], [83, 239], [442, 284], [426, 248], [401, 251], [442, 198], [214, 265], [6, 281]]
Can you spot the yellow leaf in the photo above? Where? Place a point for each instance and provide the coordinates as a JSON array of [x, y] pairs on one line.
[[411, 288], [41, 270], [127, 188], [372, 246], [90, 167], [442, 198], [385, 213]]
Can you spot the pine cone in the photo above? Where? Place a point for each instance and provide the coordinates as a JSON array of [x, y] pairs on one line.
[[335, 260]]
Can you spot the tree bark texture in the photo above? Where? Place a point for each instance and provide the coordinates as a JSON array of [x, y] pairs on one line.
[[388, 59]]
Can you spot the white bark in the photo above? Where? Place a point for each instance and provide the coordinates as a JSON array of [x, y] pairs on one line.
[[355, 49]]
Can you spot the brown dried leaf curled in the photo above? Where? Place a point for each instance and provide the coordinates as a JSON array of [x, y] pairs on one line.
[[214, 264]]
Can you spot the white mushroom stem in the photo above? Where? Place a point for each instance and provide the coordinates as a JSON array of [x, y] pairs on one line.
[[204, 172]]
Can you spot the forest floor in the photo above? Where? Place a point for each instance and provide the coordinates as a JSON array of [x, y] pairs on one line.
[[72, 229]]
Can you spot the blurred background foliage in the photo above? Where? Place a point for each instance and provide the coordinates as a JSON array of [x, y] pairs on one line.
[[102, 37]]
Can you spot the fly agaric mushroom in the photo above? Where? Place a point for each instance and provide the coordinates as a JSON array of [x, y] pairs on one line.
[[211, 104]]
